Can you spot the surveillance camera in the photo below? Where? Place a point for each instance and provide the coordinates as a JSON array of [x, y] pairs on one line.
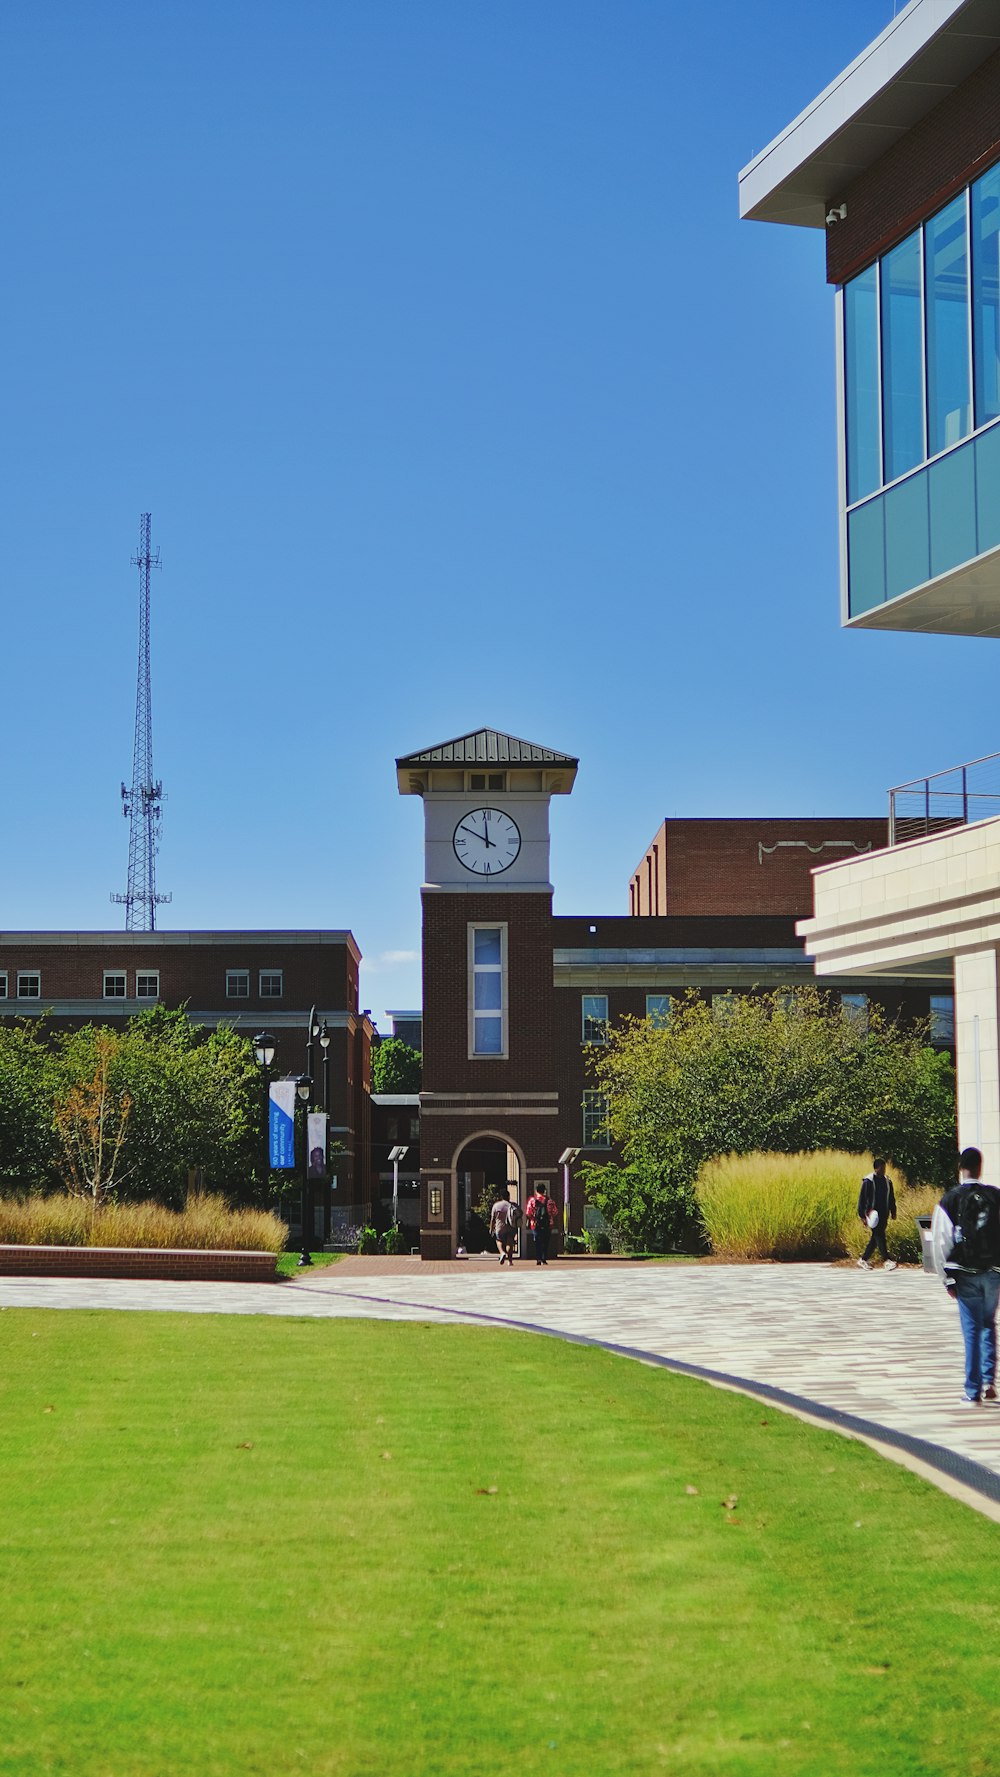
[[836, 215]]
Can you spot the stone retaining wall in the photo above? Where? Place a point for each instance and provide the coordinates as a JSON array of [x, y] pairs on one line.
[[180, 1265]]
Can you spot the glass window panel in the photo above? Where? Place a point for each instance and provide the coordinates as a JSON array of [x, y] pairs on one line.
[[952, 484], [489, 1036], [866, 557], [486, 944], [487, 989], [595, 1017], [861, 391], [907, 542], [988, 490], [942, 1018], [658, 1008], [986, 294], [949, 415], [902, 359]]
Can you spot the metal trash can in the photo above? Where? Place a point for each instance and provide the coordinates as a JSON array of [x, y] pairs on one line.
[[926, 1250]]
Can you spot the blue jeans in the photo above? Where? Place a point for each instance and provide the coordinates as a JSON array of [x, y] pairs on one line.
[[978, 1293]]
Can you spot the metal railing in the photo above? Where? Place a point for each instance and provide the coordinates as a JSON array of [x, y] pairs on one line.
[[946, 799]]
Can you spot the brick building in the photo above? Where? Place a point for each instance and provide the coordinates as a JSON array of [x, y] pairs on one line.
[[251, 980], [736, 867], [515, 996]]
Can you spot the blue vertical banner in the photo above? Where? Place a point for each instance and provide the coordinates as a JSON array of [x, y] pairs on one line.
[[281, 1125]]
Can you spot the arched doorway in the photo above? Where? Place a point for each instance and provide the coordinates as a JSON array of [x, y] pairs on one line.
[[483, 1165]]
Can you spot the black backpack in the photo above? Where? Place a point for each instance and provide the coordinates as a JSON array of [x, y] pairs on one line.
[[541, 1215], [977, 1231]]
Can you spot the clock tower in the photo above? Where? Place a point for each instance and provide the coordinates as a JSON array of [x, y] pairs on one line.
[[489, 1105]]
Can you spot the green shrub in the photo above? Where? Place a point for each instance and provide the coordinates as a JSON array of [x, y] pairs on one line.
[[368, 1239], [799, 1206], [206, 1223], [596, 1241], [394, 1240]]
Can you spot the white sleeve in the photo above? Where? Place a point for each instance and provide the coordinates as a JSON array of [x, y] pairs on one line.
[[942, 1239]]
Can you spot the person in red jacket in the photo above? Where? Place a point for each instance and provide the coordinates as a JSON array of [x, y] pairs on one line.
[[541, 1215]]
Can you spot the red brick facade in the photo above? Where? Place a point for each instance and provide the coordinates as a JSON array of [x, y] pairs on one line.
[[949, 148], [732, 868]]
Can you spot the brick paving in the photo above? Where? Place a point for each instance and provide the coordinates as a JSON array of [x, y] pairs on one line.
[[873, 1351]]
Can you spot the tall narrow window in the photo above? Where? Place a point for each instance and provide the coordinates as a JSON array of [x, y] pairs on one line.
[[487, 985], [594, 1018], [942, 1009], [948, 407], [986, 294], [658, 1008], [861, 392], [902, 359], [3, 984], [595, 1111]]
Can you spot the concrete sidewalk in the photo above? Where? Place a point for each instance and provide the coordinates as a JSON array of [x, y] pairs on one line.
[[874, 1354]]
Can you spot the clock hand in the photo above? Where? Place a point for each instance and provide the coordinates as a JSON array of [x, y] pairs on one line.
[[464, 829]]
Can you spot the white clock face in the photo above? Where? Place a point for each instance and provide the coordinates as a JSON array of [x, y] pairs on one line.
[[486, 841]]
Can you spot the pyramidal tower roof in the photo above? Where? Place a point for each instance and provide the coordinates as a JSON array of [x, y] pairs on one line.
[[486, 747]]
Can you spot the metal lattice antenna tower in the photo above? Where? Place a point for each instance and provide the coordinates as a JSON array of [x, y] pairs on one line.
[[141, 803]]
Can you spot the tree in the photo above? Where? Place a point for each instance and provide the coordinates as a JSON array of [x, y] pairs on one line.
[[28, 1143], [395, 1066], [780, 1072], [91, 1120], [195, 1101]]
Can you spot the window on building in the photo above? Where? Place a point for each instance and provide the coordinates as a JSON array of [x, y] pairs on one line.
[[949, 409], [862, 393], [986, 295], [658, 1008], [271, 984], [487, 780], [3, 984], [488, 990], [942, 1009], [594, 1017], [723, 1004], [595, 1113], [902, 359], [114, 984], [237, 984], [29, 984], [147, 986], [856, 1006]]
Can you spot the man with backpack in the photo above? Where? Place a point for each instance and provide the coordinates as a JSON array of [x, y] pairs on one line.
[[876, 1203], [965, 1233], [541, 1214], [505, 1219]]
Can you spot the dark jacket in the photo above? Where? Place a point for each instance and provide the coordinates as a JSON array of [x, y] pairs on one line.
[[877, 1193]]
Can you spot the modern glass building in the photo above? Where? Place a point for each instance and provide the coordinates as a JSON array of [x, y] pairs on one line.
[[899, 161]]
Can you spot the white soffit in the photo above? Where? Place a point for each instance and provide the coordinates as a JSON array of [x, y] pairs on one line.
[[921, 57], [965, 602]]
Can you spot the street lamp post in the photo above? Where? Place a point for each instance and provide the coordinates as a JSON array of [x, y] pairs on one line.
[[303, 1087], [566, 1160], [324, 1043], [396, 1155], [263, 1049]]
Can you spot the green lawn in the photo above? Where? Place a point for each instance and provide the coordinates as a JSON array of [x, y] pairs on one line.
[[288, 1263], [240, 1545]]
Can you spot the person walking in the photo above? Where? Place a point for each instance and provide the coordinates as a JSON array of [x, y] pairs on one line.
[[541, 1214], [876, 1204], [503, 1225], [965, 1238]]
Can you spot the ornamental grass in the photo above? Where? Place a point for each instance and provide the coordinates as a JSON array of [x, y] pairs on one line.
[[206, 1223], [799, 1206]]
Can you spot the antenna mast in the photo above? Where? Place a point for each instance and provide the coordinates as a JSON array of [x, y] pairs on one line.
[[141, 803]]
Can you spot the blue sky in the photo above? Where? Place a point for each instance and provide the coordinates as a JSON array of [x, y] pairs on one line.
[[460, 397]]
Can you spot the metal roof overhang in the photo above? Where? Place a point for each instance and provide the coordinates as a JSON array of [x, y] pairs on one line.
[[964, 602], [921, 57]]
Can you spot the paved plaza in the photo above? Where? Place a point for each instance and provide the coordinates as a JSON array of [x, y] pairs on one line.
[[876, 1354]]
